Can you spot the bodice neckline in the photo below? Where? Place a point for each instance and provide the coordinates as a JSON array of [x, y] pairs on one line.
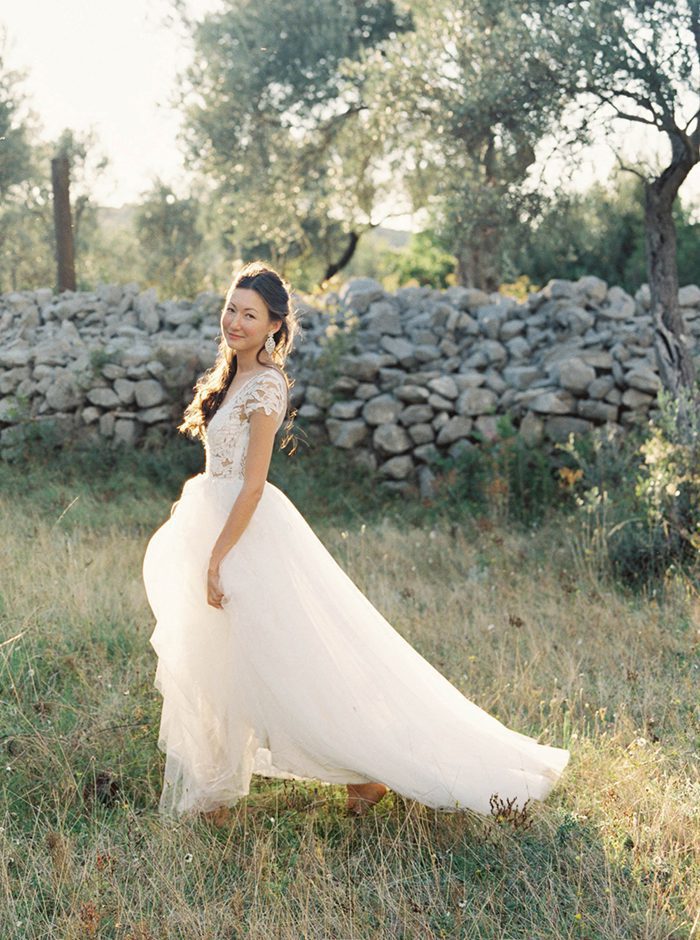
[[240, 388]]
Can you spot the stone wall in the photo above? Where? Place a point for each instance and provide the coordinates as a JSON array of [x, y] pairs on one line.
[[393, 378]]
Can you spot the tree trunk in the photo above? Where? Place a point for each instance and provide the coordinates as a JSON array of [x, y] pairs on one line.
[[344, 259], [673, 351], [65, 256]]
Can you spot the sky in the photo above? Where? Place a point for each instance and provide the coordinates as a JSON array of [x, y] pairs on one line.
[[112, 66]]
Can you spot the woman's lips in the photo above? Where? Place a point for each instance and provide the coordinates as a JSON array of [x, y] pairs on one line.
[[234, 336]]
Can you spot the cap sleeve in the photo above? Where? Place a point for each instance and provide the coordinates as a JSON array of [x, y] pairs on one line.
[[268, 394]]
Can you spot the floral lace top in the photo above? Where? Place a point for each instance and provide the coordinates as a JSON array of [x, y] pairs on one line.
[[228, 432]]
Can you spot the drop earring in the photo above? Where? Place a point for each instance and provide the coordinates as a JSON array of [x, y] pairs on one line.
[[270, 344]]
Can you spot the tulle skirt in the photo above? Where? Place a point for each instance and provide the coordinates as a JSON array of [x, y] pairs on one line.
[[299, 676]]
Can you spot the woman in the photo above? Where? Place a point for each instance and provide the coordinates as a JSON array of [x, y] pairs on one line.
[[270, 659]]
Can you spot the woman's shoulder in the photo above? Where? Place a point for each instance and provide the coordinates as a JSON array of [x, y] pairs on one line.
[[273, 373]]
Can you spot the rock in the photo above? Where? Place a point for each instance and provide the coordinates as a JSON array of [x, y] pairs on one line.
[[635, 399], [518, 348], [402, 349], [559, 428], [689, 296], [476, 401], [391, 439], [494, 351], [64, 394], [531, 429], [383, 317], [600, 387], [426, 482], [320, 397], [597, 410], [557, 289], [469, 378], [125, 391], [456, 428], [359, 292], [491, 318], [521, 376], [104, 397], [125, 432], [384, 409], [421, 433], [345, 409], [15, 356], [575, 375], [412, 393], [148, 393], [467, 298], [364, 367], [153, 415], [619, 306], [575, 319], [145, 307], [346, 434], [511, 329], [444, 385], [487, 427], [397, 468], [553, 401], [594, 288], [415, 414], [9, 409], [441, 404], [643, 378]]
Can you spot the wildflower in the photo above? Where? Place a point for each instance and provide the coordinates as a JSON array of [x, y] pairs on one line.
[[189, 857]]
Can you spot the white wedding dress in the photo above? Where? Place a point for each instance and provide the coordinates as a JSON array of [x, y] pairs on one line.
[[299, 675]]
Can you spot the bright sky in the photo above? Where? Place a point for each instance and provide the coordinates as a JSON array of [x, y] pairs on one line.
[[112, 65]]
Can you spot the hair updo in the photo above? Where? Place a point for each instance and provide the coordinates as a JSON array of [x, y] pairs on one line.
[[210, 389]]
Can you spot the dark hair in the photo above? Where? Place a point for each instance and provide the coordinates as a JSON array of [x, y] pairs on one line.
[[210, 389]]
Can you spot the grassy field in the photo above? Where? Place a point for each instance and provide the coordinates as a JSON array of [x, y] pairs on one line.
[[512, 615]]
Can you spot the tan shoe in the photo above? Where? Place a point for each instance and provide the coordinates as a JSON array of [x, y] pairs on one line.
[[363, 795]]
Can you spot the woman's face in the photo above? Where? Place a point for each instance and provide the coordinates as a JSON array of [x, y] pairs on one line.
[[245, 321]]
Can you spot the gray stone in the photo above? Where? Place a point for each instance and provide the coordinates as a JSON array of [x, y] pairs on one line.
[[397, 468], [469, 378], [476, 401], [346, 434], [148, 393], [689, 296], [491, 318], [521, 376], [559, 428], [90, 415], [594, 288], [456, 428], [412, 393], [421, 433], [125, 432], [467, 298], [553, 401], [441, 404], [345, 409], [597, 358], [444, 385], [391, 439], [531, 429], [104, 397], [384, 317], [518, 348], [402, 349], [511, 329], [384, 409], [415, 414], [15, 356], [359, 292], [320, 397], [643, 378], [597, 410], [487, 427], [575, 319], [619, 306], [64, 394], [153, 415], [125, 391], [635, 399], [309, 412], [575, 375], [426, 482], [363, 367], [600, 387], [426, 453], [425, 353], [494, 351]]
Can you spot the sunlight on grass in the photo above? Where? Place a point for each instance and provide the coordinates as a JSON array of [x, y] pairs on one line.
[[505, 614]]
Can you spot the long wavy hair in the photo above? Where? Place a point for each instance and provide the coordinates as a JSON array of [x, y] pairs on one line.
[[210, 389]]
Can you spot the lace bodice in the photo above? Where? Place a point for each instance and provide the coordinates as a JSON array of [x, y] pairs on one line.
[[228, 432]]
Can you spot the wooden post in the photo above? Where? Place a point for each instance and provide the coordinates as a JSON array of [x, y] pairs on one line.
[[63, 225]]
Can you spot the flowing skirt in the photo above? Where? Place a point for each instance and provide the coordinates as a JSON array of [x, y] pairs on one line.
[[299, 676]]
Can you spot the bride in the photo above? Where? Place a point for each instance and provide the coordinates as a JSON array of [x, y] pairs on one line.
[[270, 659]]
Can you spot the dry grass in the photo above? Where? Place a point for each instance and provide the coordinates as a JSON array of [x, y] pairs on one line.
[[506, 616]]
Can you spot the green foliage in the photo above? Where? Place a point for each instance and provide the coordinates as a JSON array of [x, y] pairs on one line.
[[425, 260], [277, 124], [169, 241], [601, 231]]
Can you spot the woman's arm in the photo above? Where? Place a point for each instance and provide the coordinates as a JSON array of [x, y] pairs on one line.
[[263, 428]]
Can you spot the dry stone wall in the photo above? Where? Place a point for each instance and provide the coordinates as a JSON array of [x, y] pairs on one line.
[[393, 378]]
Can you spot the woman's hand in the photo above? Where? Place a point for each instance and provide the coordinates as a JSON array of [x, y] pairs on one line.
[[214, 592]]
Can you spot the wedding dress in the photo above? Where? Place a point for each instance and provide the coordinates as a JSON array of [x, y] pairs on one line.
[[299, 676]]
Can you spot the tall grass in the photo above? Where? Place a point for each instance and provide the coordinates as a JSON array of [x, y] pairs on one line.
[[506, 612]]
